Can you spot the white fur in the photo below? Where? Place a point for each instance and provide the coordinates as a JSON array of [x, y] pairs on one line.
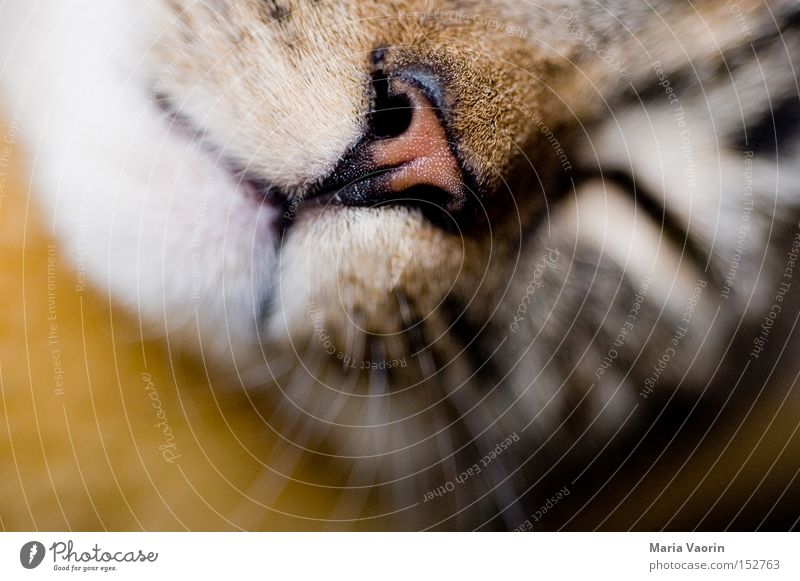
[[149, 217]]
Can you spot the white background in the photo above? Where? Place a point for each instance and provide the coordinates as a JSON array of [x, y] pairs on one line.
[[407, 557]]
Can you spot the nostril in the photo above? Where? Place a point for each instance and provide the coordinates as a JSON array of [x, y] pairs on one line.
[[391, 114], [393, 118], [406, 155]]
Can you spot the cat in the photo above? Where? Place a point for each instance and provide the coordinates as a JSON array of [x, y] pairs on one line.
[[465, 253]]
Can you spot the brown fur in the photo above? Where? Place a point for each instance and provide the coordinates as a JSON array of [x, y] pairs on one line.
[[282, 87]]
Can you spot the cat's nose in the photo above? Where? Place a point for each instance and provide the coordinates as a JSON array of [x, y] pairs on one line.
[[406, 155], [413, 141]]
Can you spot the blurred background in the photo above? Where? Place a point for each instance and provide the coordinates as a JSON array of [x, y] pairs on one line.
[[84, 403]]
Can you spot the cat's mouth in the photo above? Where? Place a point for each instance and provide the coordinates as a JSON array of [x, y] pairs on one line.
[[285, 204], [256, 189], [406, 156]]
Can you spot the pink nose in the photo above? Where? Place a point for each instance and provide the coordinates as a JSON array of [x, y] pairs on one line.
[[420, 155], [405, 156]]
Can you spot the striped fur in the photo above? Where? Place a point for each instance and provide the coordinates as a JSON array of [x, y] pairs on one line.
[[629, 282]]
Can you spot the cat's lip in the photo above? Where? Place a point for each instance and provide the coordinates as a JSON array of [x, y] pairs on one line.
[[285, 205], [257, 189], [365, 190], [377, 187]]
